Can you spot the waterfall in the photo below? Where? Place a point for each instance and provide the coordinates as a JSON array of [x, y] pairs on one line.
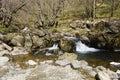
[[82, 48], [55, 46], [117, 50]]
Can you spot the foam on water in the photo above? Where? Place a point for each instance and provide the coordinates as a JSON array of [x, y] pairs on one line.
[[55, 46], [82, 48]]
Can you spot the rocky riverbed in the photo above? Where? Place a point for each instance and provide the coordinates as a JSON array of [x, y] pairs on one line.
[[62, 67], [50, 54]]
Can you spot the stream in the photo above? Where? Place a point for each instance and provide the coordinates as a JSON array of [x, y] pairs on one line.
[[95, 57]]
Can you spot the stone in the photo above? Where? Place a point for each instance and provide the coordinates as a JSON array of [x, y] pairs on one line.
[[47, 62], [48, 54], [73, 25], [1, 35], [66, 59], [70, 56], [63, 62], [102, 76], [84, 38], [9, 36], [7, 46], [37, 32], [118, 72], [76, 64], [100, 68], [92, 73], [3, 60], [67, 45], [38, 42], [18, 51], [50, 72], [112, 74], [4, 52], [28, 42], [31, 62], [1, 47], [79, 64], [18, 40], [115, 64]]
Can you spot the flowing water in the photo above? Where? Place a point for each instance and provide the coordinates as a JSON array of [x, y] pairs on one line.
[[96, 57], [82, 48]]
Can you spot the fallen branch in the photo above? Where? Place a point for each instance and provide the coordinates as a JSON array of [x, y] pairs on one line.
[[7, 47]]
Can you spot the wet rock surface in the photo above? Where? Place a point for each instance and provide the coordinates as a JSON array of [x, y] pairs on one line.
[[99, 34], [69, 68], [62, 67]]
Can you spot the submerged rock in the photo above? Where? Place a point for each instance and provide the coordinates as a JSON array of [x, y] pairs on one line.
[[31, 63], [70, 56]]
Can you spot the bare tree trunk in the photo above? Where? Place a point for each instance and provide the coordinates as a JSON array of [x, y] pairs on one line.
[[94, 9], [94, 12], [112, 8]]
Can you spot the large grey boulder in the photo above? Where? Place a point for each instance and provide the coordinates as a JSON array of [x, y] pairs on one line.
[[112, 74], [67, 45], [66, 59], [79, 64], [8, 37], [50, 72], [102, 76], [18, 40], [38, 42]]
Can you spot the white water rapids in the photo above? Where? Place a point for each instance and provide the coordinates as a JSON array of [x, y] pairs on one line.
[[55, 46], [82, 48]]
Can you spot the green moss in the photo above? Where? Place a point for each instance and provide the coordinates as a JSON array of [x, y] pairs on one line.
[[4, 30], [53, 29]]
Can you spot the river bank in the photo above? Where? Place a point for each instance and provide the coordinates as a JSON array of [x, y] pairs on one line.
[[36, 54]]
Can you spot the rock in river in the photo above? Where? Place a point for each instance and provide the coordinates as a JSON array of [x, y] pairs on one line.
[[102, 76], [3, 60], [31, 62], [79, 64], [18, 51]]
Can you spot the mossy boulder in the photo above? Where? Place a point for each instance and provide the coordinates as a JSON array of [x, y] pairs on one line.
[[67, 45]]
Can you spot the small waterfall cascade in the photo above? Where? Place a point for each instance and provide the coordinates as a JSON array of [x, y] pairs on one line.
[[55, 46], [82, 48], [117, 50]]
